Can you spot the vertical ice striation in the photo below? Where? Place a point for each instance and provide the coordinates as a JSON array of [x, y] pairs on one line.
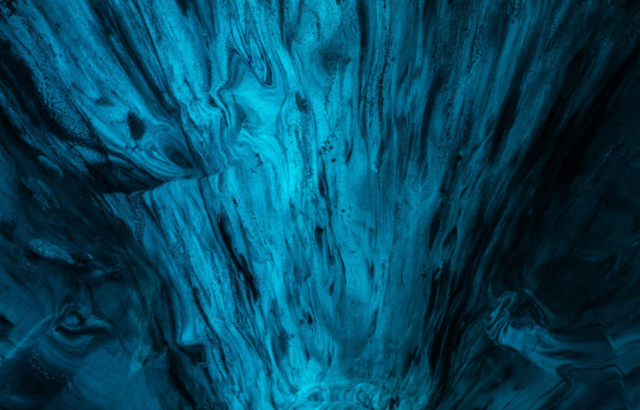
[[319, 204]]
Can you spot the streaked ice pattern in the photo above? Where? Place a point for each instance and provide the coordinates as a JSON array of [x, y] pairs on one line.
[[319, 204]]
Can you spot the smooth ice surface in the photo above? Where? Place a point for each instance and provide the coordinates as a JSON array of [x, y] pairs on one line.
[[319, 204]]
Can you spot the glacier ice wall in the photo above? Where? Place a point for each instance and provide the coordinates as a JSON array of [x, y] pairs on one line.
[[319, 204]]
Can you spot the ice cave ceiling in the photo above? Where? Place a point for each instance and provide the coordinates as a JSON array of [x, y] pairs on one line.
[[319, 204]]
